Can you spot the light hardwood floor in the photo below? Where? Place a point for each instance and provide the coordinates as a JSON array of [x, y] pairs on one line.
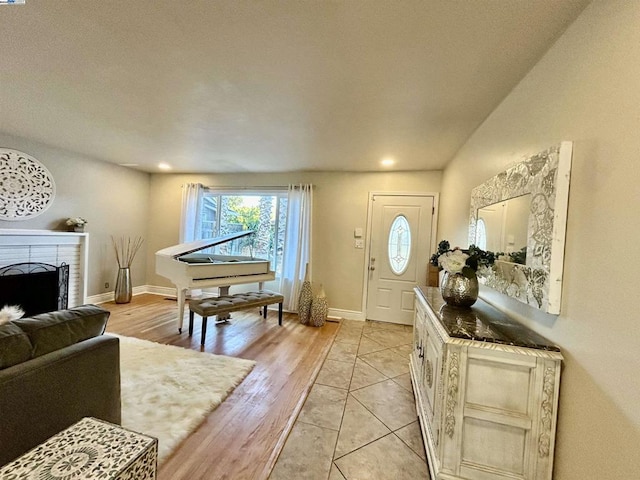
[[242, 438]]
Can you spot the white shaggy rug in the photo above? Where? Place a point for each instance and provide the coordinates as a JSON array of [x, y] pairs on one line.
[[167, 391]]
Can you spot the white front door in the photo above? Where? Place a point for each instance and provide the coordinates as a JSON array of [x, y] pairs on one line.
[[400, 243]]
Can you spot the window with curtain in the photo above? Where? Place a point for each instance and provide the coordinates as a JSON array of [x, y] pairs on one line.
[[265, 212]]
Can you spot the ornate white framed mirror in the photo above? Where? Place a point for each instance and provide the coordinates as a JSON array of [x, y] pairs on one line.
[[522, 213]]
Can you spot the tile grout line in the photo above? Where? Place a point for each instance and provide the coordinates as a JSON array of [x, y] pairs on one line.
[[344, 408], [349, 392]]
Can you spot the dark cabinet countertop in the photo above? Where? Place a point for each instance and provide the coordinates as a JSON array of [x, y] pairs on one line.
[[483, 323]]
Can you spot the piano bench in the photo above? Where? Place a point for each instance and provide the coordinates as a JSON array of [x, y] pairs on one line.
[[208, 307]]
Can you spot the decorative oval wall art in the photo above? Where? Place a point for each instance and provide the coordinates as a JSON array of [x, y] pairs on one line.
[[26, 186]]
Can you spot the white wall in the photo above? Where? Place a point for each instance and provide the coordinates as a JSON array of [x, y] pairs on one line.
[[113, 199], [340, 205], [585, 89]]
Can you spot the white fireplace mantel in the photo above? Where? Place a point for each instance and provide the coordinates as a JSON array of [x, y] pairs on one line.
[[52, 247]]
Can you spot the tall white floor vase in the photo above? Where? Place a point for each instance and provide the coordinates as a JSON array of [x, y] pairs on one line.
[[305, 299], [319, 309]]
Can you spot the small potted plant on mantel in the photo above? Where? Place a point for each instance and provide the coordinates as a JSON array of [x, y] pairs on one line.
[[76, 224]]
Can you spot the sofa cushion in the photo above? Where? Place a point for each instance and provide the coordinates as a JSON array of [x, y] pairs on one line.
[[15, 346], [54, 330]]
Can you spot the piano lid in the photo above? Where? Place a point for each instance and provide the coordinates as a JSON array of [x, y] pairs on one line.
[[176, 251]]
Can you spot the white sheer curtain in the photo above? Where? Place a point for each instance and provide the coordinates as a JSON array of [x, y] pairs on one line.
[[191, 206], [297, 243]]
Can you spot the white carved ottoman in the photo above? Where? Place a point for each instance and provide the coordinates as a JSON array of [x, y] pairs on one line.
[[88, 449]]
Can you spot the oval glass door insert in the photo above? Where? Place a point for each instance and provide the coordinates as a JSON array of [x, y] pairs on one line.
[[399, 243]]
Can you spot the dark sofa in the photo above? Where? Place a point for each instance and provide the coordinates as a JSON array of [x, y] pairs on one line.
[[55, 368]]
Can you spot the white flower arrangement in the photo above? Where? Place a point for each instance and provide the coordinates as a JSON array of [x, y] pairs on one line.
[[76, 222], [453, 262], [462, 262]]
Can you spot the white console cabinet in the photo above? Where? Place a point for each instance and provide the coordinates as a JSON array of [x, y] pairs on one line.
[[486, 391]]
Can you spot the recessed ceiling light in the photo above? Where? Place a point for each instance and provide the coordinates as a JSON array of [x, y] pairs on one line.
[[164, 166], [387, 162]]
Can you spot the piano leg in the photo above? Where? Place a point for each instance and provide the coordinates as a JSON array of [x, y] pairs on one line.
[[182, 292], [224, 291]]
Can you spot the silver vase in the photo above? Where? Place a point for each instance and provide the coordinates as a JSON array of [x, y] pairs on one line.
[[458, 290], [123, 291]]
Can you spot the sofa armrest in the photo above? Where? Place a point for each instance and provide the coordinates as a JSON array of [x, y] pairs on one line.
[[42, 396]]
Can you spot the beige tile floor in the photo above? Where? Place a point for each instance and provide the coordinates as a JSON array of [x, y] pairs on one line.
[[359, 421]]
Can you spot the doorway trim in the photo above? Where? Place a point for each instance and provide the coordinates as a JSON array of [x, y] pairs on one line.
[[367, 249]]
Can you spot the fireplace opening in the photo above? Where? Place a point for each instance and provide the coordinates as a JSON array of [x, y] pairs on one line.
[[35, 287]]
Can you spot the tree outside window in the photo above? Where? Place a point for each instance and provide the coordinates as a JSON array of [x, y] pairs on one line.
[[263, 213]]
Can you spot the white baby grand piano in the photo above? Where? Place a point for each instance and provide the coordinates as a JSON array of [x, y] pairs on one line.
[[186, 268]]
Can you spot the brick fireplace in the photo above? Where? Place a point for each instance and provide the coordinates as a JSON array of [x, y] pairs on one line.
[[52, 248]]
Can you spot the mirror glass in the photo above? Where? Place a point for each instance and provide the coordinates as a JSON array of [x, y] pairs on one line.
[[522, 213], [502, 227]]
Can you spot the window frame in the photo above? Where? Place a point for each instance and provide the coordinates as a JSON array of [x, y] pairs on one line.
[[280, 194]]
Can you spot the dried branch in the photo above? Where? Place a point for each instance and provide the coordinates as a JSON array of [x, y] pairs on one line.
[[126, 249]]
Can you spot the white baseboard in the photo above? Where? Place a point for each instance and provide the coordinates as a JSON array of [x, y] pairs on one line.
[[108, 296], [101, 298], [334, 313], [163, 291], [346, 314]]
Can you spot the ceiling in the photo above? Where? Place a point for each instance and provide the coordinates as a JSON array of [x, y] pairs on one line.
[[266, 86]]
